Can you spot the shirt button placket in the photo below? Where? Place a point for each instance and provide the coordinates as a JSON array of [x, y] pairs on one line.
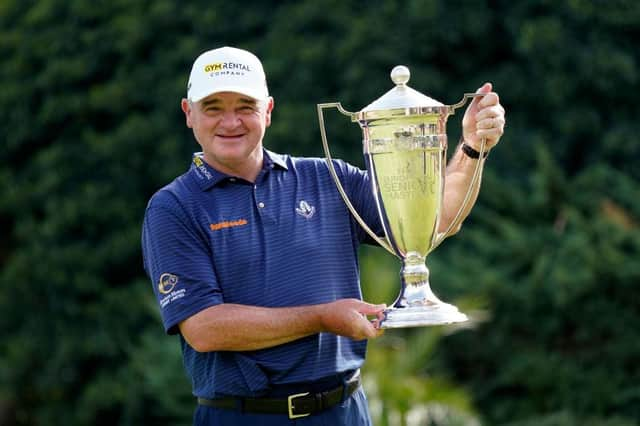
[[256, 197], [260, 202]]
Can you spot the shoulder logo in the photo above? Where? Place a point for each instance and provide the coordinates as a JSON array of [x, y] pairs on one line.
[[305, 210], [167, 283], [201, 169]]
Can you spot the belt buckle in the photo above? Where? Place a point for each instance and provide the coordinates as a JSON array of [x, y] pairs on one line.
[[291, 406]]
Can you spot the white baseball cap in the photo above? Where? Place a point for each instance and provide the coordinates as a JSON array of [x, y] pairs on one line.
[[227, 69]]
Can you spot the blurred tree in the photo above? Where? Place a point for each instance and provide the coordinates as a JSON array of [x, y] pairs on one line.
[[91, 127], [558, 278], [86, 137], [551, 251]]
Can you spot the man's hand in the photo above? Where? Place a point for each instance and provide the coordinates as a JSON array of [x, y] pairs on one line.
[[484, 118], [348, 317]]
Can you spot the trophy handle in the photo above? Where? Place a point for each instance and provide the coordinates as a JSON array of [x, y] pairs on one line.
[[474, 179], [384, 244]]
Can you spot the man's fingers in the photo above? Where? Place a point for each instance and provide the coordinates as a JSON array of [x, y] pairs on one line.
[[476, 102], [371, 309], [485, 88]]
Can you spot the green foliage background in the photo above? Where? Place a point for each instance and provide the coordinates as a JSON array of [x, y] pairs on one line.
[[547, 263]]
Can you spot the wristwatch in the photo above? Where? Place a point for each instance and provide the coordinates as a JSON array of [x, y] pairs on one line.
[[470, 152]]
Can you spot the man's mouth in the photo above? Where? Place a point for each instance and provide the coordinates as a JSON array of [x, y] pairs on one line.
[[233, 136]]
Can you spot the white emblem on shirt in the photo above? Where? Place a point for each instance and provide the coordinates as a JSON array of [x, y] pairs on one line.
[[167, 287], [305, 210]]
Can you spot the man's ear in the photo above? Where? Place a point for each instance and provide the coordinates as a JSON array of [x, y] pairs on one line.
[[270, 105], [186, 108]]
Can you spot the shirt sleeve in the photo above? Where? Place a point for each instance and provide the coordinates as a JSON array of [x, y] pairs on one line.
[[178, 260], [358, 187]]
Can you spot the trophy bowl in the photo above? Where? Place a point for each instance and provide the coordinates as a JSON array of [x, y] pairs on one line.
[[405, 151]]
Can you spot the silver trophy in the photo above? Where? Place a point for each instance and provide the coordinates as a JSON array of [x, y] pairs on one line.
[[405, 150]]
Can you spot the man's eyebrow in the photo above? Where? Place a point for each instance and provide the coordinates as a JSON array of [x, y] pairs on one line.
[[249, 101], [211, 102]]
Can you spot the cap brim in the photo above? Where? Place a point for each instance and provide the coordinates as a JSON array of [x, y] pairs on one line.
[[258, 95]]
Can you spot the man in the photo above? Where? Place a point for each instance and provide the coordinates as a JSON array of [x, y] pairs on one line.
[[253, 257]]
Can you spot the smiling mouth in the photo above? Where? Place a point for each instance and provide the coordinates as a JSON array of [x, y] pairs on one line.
[[231, 136]]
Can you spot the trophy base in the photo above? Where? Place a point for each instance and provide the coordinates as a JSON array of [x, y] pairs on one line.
[[419, 316]]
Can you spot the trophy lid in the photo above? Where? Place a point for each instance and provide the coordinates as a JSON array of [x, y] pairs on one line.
[[401, 97]]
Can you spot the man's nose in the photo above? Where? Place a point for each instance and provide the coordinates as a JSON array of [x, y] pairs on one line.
[[230, 119]]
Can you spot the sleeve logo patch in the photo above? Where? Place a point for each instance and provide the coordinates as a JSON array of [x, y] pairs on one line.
[[167, 287], [167, 283]]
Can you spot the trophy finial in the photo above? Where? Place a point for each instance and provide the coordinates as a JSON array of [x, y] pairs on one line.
[[401, 96], [400, 74]]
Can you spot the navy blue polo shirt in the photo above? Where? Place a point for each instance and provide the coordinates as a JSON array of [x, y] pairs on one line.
[[285, 240]]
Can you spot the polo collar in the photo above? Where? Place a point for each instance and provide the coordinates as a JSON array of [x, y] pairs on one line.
[[271, 158], [208, 177]]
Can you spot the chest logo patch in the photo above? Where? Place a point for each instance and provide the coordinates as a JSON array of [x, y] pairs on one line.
[[305, 210], [227, 224]]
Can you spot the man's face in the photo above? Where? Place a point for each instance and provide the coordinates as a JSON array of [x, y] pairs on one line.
[[229, 127]]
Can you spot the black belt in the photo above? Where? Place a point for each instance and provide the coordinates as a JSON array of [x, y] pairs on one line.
[[295, 405]]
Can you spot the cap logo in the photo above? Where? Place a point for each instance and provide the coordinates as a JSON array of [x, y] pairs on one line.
[[223, 66]]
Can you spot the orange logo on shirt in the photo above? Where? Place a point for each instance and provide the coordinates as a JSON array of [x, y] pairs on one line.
[[227, 224]]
